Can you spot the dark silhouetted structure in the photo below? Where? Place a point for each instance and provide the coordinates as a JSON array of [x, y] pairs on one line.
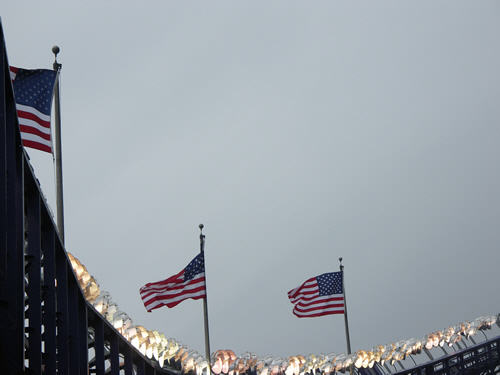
[[47, 326]]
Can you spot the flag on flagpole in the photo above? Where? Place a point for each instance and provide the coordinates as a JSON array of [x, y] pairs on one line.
[[33, 91], [189, 283], [318, 296]]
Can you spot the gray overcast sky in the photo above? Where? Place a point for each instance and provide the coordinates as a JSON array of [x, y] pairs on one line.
[[297, 132]]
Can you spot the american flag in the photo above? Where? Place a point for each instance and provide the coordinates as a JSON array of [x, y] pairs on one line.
[[189, 283], [318, 296], [33, 92]]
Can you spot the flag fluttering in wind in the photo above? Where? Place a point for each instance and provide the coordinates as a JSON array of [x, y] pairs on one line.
[[33, 91], [189, 283], [318, 296]]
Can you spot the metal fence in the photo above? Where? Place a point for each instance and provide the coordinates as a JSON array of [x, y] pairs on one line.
[[47, 326], [482, 358]]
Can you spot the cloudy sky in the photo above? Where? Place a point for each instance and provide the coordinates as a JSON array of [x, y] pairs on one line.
[[297, 132]]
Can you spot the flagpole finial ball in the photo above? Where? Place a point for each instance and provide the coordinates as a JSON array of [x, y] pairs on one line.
[[55, 50]]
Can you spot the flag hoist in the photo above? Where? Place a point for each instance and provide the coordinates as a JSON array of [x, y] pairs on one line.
[[189, 283]]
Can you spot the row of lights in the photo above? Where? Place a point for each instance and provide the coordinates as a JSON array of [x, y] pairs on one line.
[[152, 344], [226, 362], [155, 345]]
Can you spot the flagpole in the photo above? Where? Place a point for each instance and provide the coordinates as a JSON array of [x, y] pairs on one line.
[[348, 340], [58, 148], [205, 307]]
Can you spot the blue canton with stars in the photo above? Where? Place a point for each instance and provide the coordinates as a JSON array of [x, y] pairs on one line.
[[196, 266], [34, 88], [330, 283]]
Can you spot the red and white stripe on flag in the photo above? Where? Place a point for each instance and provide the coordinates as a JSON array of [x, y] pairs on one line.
[[189, 283], [33, 124], [318, 296]]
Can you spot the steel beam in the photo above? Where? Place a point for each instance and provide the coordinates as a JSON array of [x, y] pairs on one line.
[[49, 294], [114, 355], [33, 288], [62, 313]]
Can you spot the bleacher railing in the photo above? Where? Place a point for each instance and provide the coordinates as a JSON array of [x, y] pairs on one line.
[[483, 358]]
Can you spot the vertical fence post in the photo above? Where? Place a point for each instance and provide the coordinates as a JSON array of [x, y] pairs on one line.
[[33, 270], [128, 361], [62, 341], [141, 367], [99, 346], [49, 294], [114, 355], [15, 242], [74, 333], [83, 335]]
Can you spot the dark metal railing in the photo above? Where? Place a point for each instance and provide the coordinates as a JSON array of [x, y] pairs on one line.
[[47, 326], [483, 358]]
